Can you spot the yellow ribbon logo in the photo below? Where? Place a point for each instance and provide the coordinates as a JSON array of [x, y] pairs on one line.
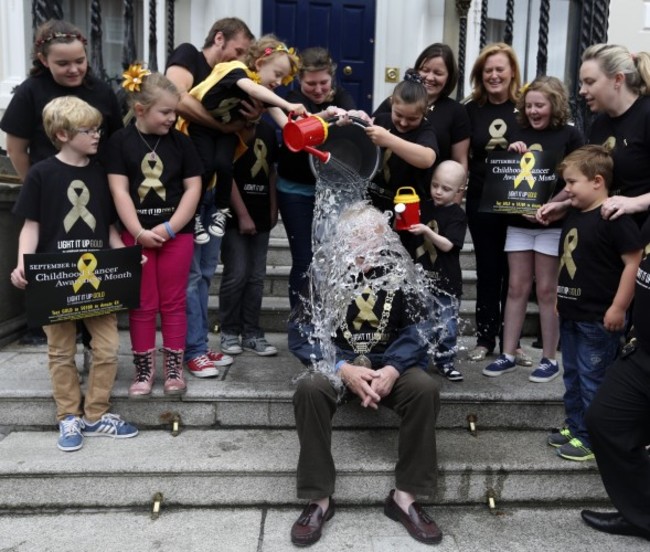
[[527, 163], [497, 130], [427, 246], [86, 265], [260, 151], [151, 175], [79, 196], [224, 109], [570, 244], [366, 313], [385, 168]]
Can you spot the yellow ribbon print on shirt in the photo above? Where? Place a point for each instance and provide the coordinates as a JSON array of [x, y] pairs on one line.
[[527, 163], [79, 196], [260, 151], [497, 130], [570, 244], [152, 174], [366, 314], [86, 265]]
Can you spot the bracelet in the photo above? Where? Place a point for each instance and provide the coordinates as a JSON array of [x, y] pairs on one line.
[[339, 365], [168, 227], [139, 234]]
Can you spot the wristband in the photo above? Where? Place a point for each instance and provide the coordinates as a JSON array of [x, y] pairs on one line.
[[168, 227], [339, 365], [139, 234]]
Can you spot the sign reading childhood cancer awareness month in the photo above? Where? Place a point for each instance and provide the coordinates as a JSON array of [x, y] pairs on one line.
[[70, 286], [518, 183]]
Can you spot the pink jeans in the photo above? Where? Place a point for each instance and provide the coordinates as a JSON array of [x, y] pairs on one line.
[[163, 289]]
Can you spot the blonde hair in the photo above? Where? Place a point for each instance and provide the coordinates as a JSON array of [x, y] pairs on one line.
[[268, 47], [67, 114], [613, 59], [590, 160], [479, 93], [555, 92], [150, 90]]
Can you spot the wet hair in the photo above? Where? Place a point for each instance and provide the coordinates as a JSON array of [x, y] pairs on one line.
[[411, 90], [150, 90], [229, 27], [590, 160], [318, 59], [267, 47], [613, 59], [445, 52], [67, 114], [54, 31], [555, 91], [479, 93]]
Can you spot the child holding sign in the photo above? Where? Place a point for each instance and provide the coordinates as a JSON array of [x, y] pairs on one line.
[[65, 199], [532, 249]]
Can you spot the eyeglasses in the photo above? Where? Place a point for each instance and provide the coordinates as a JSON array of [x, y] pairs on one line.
[[89, 131]]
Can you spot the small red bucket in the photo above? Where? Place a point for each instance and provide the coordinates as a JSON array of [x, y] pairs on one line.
[[407, 208], [301, 133]]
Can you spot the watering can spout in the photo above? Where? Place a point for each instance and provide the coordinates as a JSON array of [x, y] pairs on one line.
[[322, 156]]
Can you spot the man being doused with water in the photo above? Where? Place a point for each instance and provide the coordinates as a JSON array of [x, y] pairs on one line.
[[363, 333]]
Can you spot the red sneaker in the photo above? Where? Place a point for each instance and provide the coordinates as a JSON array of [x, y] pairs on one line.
[[202, 367], [219, 359]]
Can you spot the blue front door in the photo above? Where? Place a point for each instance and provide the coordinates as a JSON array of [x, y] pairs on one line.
[[345, 27]]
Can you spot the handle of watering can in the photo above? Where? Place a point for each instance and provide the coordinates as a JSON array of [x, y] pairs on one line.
[[356, 120]]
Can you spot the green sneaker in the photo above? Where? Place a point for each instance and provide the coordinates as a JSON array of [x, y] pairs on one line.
[[559, 437], [575, 450]]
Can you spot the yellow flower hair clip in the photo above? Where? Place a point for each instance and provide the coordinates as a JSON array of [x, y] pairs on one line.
[[134, 76], [294, 61], [524, 89]]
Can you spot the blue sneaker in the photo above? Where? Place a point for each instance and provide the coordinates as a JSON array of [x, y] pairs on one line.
[[70, 437], [110, 425], [545, 372], [500, 366]]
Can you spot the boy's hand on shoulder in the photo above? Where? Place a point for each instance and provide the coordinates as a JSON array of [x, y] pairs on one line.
[[614, 320], [18, 277]]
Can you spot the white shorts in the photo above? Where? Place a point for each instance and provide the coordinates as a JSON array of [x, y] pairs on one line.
[[540, 240]]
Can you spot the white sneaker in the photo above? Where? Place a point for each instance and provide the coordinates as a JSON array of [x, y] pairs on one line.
[[218, 225]]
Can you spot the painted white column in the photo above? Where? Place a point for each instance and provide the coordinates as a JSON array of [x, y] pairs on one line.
[[15, 47]]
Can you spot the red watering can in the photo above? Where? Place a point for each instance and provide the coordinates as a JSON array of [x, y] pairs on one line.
[[303, 134], [407, 208]]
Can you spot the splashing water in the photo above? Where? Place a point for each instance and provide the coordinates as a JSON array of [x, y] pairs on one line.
[[348, 236]]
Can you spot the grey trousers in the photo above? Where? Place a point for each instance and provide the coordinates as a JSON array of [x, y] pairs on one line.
[[415, 397]]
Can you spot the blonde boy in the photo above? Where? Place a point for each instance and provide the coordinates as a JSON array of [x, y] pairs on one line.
[[65, 199]]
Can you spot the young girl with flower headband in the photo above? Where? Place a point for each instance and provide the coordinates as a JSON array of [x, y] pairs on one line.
[[269, 64], [532, 249], [60, 68], [154, 174], [408, 141]]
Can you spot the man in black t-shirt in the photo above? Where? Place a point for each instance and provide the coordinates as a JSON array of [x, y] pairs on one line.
[[227, 40], [618, 421]]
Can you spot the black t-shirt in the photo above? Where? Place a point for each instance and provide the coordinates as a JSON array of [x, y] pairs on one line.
[[450, 222], [450, 123], [72, 205], [394, 172], [642, 292], [252, 172], [590, 262], [295, 166], [492, 127], [176, 160], [24, 115], [223, 99], [561, 141], [187, 56], [629, 136]]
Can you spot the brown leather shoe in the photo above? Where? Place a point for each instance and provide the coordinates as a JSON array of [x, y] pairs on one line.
[[418, 523], [307, 528]]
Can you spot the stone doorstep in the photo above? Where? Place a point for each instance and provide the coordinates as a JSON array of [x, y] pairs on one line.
[[255, 467]]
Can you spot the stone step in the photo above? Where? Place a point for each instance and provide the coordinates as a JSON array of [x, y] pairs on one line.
[[256, 392], [362, 529], [257, 467]]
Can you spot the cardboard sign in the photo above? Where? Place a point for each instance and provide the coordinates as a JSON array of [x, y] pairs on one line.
[[70, 286], [518, 183]]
